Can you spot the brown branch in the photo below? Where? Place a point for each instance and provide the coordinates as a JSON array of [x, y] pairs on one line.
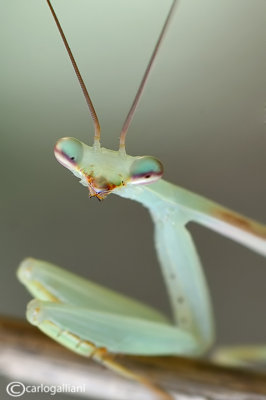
[[28, 356]]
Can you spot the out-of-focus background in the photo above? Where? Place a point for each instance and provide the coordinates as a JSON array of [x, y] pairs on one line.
[[202, 113]]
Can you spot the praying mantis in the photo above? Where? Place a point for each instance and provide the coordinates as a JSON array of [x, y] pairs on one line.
[[94, 321]]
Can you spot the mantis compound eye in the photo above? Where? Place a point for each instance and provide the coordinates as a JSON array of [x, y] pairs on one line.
[[69, 152], [145, 170]]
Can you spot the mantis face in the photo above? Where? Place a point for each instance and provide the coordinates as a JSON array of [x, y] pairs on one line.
[[104, 170]]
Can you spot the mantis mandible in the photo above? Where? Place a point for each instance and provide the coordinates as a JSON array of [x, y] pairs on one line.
[[94, 321]]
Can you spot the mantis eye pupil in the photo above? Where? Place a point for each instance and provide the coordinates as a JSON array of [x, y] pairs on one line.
[[69, 152], [145, 170]]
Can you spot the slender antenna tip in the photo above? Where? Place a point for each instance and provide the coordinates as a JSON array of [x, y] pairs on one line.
[[78, 74]]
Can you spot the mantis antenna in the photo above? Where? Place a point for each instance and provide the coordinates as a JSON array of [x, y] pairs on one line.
[[144, 79], [132, 110], [97, 128]]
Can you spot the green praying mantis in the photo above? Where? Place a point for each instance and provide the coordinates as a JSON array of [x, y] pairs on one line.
[[96, 322]]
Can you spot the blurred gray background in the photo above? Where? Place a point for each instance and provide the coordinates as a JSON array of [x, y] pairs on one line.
[[202, 113]]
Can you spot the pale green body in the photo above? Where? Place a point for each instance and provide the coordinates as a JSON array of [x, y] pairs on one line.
[[122, 325], [94, 321]]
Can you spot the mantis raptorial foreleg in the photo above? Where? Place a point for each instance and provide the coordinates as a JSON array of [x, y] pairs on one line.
[[120, 324], [123, 325], [96, 322]]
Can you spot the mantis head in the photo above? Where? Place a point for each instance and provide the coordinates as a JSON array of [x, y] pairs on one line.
[[100, 169], [104, 170]]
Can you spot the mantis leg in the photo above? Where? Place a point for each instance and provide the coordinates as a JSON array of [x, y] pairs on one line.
[[95, 314], [71, 327], [83, 330], [183, 274], [180, 264], [172, 208], [120, 324], [48, 282]]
